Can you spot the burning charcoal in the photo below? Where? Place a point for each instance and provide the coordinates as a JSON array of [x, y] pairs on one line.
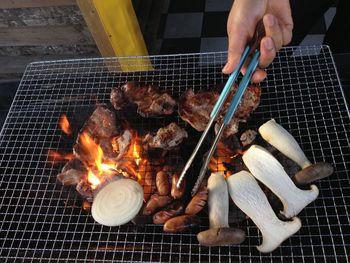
[[85, 190], [124, 142], [198, 201], [149, 99], [96, 135], [155, 203], [177, 193], [181, 223], [248, 137], [166, 138], [162, 183], [101, 124], [72, 172], [87, 206], [170, 211]]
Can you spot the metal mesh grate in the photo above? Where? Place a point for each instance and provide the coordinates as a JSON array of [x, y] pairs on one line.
[[40, 219]]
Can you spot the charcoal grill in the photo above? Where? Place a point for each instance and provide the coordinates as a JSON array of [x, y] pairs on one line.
[[41, 220]]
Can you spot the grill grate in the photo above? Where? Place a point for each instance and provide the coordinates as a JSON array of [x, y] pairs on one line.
[[40, 219]]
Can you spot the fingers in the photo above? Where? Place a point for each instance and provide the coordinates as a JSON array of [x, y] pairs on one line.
[[235, 50], [258, 76], [272, 42]]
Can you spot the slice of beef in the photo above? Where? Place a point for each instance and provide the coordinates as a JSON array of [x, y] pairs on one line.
[[167, 138], [149, 99], [195, 108]]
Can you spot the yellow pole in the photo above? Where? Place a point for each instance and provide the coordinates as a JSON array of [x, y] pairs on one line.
[[122, 32]]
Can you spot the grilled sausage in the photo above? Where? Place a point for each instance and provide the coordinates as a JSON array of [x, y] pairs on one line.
[[162, 183], [172, 210], [181, 223], [177, 193], [156, 202], [197, 202]]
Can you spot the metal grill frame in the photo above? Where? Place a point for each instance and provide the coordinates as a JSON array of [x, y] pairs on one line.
[[40, 220]]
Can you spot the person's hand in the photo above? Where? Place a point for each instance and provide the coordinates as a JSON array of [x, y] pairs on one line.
[[241, 24]]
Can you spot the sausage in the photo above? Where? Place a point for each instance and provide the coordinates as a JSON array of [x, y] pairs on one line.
[[148, 186], [172, 210], [177, 193], [162, 183], [198, 201], [156, 202], [181, 223]]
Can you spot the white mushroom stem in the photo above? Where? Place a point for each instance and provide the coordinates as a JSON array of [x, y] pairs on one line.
[[219, 233], [283, 141], [117, 202], [218, 200], [270, 172], [248, 196]]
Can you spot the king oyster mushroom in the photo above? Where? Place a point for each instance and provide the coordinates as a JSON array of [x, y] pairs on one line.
[[219, 233], [283, 141], [248, 196], [265, 167]]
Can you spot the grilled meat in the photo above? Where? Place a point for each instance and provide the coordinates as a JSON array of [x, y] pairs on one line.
[[166, 138], [155, 203], [198, 201], [195, 108], [149, 99], [170, 211], [72, 172]]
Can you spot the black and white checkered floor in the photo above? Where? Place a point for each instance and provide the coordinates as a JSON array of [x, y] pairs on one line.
[[200, 26]]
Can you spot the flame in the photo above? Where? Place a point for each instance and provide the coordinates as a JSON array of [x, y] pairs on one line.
[[64, 124], [93, 179], [56, 157]]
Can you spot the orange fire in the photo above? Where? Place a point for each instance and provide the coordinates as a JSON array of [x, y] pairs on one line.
[[56, 157], [64, 124], [93, 179]]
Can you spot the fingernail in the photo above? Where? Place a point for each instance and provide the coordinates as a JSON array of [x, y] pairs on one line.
[[225, 68], [268, 44], [270, 20]]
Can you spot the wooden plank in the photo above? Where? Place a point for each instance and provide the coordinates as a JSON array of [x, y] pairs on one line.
[[43, 35], [118, 29], [17, 64], [34, 3]]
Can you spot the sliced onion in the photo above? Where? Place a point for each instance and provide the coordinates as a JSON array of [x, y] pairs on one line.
[[118, 202]]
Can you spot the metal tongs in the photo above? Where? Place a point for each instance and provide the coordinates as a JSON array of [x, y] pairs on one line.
[[253, 50]]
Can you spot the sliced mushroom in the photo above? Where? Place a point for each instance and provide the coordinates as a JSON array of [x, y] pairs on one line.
[[270, 172], [248, 196], [283, 141], [219, 233], [313, 173]]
